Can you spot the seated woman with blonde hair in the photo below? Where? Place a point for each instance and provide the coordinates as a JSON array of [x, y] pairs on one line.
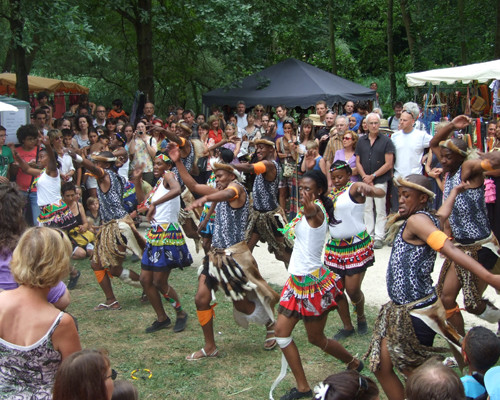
[[35, 336]]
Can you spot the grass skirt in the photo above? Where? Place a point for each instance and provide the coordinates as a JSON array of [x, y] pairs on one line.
[[165, 248], [350, 256], [57, 215], [309, 297]]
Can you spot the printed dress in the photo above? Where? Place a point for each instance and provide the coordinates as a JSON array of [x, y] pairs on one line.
[[165, 243], [28, 372]]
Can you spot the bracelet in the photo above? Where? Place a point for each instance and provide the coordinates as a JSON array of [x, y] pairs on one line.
[[486, 165]]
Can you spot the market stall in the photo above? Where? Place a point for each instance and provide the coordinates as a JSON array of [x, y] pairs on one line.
[[37, 84]]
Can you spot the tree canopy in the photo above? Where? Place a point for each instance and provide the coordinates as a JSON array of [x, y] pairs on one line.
[[175, 51]]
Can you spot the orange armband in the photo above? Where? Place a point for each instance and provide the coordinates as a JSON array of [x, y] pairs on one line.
[[183, 142], [259, 168], [436, 240], [236, 195], [486, 165]]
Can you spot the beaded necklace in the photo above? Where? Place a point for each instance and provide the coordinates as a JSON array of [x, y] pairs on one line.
[[289, 229]]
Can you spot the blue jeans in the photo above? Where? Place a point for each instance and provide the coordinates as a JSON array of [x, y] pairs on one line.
[[31, 209]]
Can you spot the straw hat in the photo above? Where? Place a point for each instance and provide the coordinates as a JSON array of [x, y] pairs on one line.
[[316, 119]]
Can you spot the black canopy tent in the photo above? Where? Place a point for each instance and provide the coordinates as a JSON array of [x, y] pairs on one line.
[[291, 83]]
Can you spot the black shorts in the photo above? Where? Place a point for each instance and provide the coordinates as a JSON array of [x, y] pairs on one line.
[[425, 335]]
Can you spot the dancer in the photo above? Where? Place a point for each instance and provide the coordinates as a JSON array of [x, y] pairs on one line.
[[310, 291], [207, 218], [405, 328], [266, 216], [117, 232], [469, 226], [165, 245], [181, 137], [349, 252], [230, 260], [53, 211]]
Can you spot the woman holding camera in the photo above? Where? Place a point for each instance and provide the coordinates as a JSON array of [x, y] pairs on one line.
[[145, 150]]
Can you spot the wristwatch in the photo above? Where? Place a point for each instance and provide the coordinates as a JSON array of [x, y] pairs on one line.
[[374, 175]]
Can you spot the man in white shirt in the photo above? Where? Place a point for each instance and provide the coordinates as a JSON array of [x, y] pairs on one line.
[[410, 144], [240, 114]]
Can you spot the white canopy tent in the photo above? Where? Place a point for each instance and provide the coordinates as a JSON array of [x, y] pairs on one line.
[[480, 72]]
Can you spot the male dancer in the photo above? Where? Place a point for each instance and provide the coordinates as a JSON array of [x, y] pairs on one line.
[[117, 232], [266, 216], [230, 265]]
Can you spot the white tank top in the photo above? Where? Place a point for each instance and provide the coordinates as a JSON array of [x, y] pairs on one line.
[[352, 216], [48, 189], [167, 212], [307, 254]]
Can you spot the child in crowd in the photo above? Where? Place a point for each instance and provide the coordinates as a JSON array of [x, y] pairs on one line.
[[312, 159], [481, 350], [124, 390], [117, 111], [93, 217]]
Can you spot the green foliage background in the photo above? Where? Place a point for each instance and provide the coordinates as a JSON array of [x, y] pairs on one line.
[[200, 45]]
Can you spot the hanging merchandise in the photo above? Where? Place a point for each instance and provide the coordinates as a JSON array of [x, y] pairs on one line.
[[496, 98], [479, 141]]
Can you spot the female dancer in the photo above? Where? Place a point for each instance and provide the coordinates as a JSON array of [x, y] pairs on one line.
[[165, 245], [349, 252], [53, 211], [311, 289]]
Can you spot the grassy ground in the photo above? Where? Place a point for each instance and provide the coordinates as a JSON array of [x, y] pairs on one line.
[[244, 369]]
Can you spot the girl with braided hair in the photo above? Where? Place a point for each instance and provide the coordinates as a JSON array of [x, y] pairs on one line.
[[311, 290], [349, 251], [165, 245]]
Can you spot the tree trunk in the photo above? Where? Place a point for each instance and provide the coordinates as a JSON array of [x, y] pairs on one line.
[[463, 32], [409, 34], [390, 49], [9, 59], [331, 27], [144, 34], [19, 53], [497, 34]]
